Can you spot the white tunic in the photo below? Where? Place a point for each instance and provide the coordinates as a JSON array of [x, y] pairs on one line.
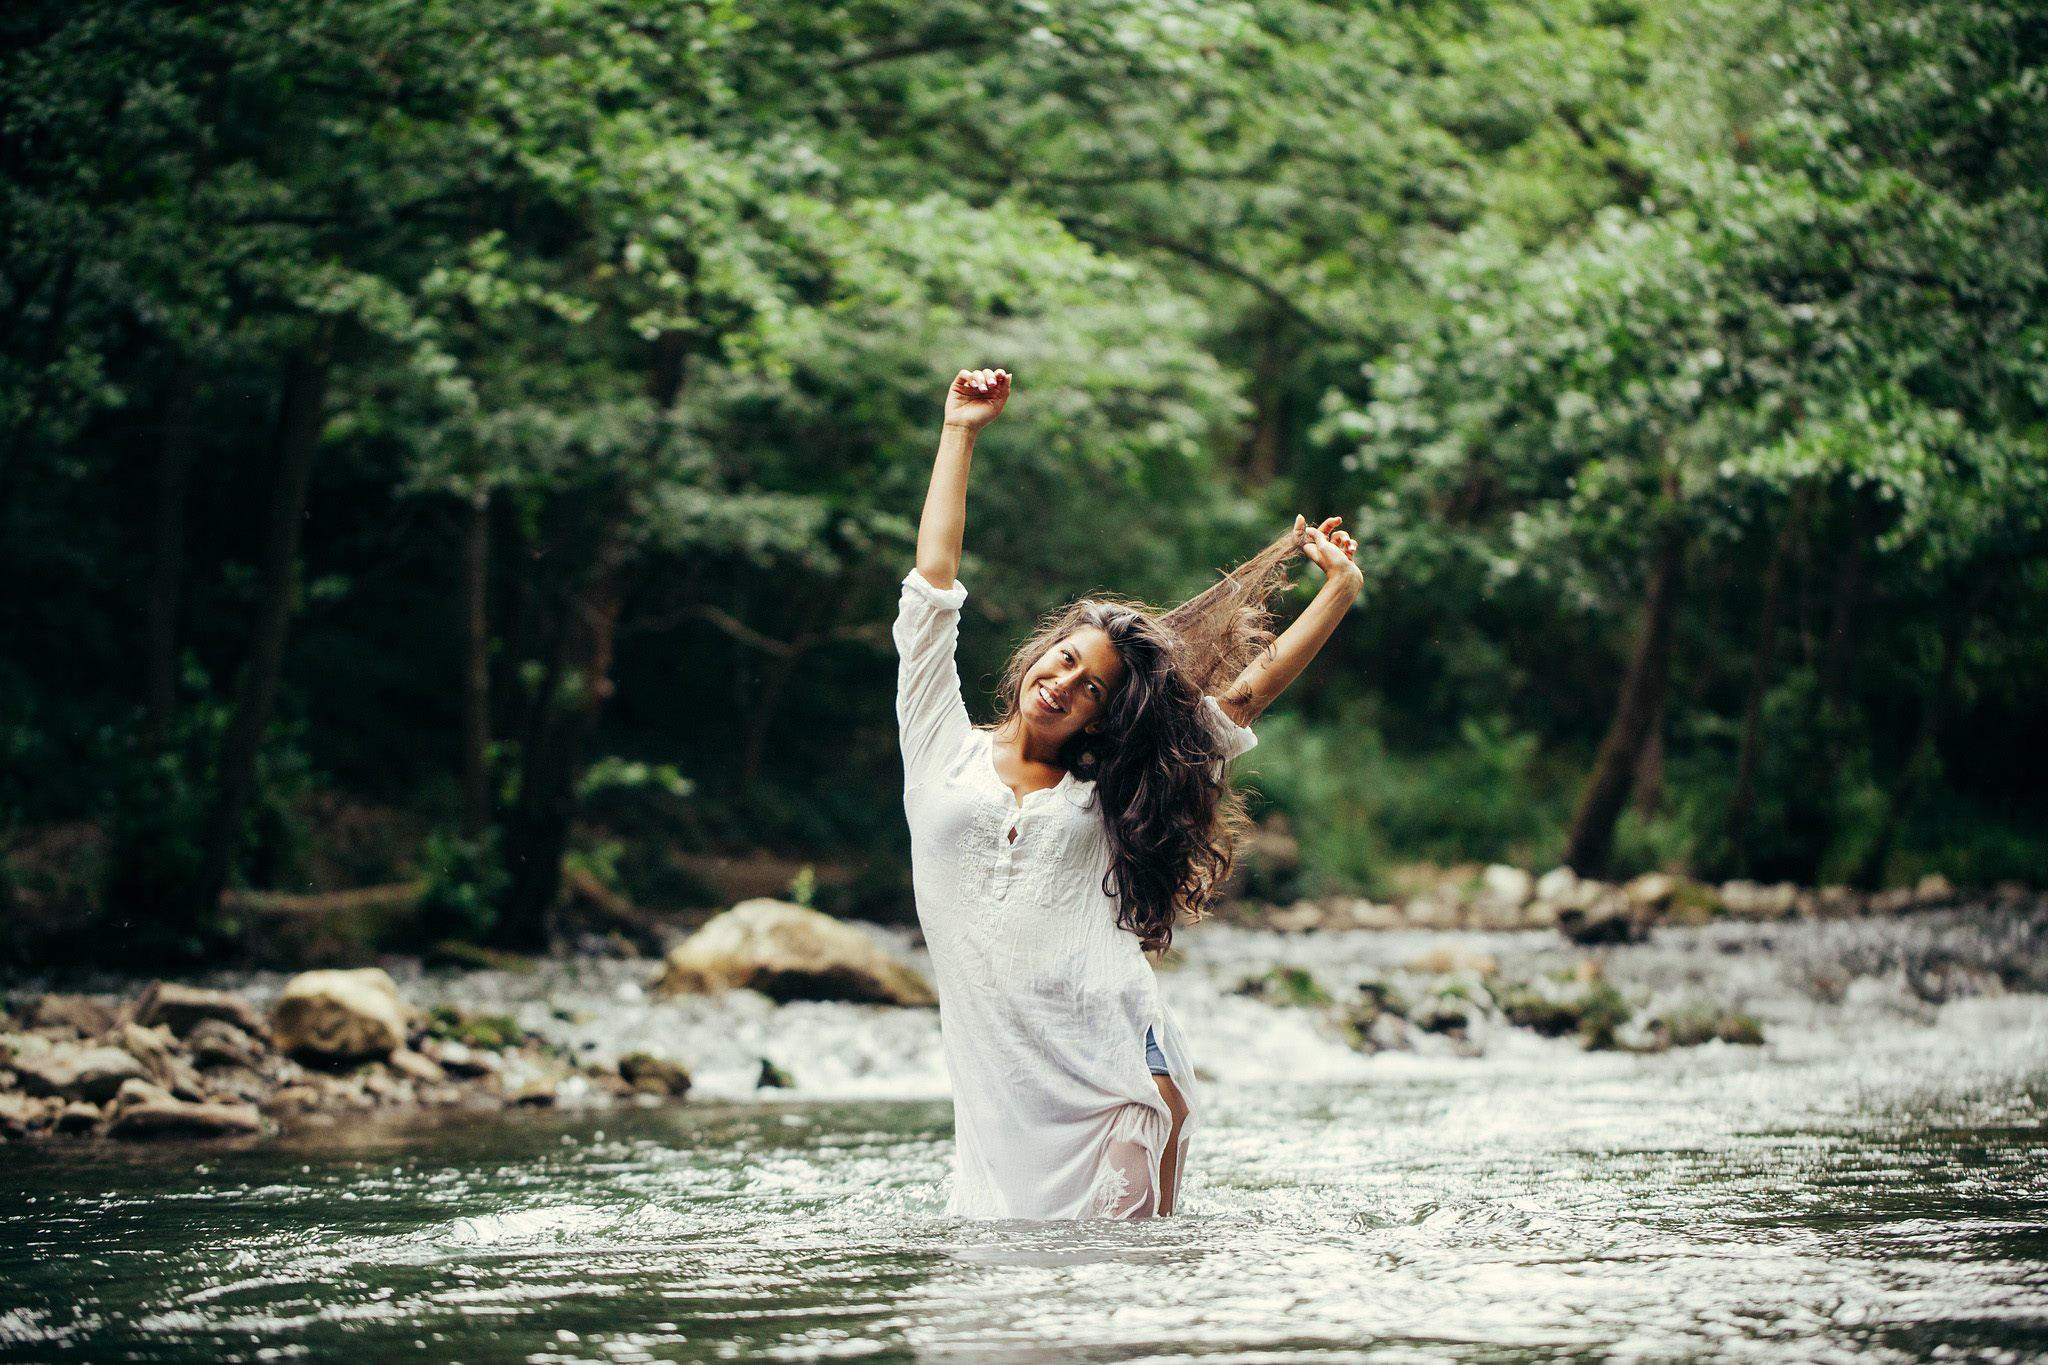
[[1043, 1000]]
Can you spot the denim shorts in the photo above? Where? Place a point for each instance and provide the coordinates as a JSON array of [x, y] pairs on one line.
[[1154, 1058]]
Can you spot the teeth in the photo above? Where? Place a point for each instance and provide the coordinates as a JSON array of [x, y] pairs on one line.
[[1046, 697]]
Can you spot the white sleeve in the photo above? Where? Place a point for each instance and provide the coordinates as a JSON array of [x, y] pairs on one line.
[[931, 718], [1236, 739]]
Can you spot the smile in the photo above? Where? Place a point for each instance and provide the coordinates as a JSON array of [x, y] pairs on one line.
[[1045, 699]]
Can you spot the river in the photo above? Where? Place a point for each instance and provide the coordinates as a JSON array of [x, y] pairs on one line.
[[1871, 1183]]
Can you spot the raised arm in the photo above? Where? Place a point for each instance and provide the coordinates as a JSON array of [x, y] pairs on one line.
[[1332, 551], [973, 401]]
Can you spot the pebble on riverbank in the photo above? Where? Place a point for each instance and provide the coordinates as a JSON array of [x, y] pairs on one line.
[[186, 1062]]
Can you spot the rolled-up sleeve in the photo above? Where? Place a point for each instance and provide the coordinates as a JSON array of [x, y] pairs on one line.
[[931, 717], [1236, 739]]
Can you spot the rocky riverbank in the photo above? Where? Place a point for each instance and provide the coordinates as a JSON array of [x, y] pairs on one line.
[[184, 1060], [772, 996], [179, 1060], [1590, 911]]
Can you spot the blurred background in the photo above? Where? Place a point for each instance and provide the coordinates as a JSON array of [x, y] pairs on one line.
[[457, 460]]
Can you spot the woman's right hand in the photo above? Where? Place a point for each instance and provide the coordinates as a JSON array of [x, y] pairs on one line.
[[976, 397]]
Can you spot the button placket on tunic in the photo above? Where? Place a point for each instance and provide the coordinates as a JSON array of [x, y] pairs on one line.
[[1044, 1001]]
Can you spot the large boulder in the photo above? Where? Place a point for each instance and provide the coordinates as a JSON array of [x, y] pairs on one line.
[[339, 1016], [181, 1008], [790, 953]]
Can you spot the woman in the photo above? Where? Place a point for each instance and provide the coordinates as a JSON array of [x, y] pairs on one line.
[[1052, 850]]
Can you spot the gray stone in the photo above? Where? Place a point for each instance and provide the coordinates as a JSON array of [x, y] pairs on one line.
[[79, 1116], [1556, 885], [1748, 900], [1932, 891], [1297, 918], [180, 1008], [74, 1072], [172, 1117], [236, 1083], [1505, 886], [416, 1067], [1652, 890], [1612, 918], [653, 1075], [152, 1047], [21, 1115], [81, 1014], [215, 1042]]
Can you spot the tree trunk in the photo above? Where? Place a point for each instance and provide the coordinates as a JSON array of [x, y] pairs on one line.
[[537, 831], [1647, 787], [1260, 455], [167, 553], [305, 398], [1955, 631], [1743, 804], [476, 666], [1642, 693], [1838, 652]]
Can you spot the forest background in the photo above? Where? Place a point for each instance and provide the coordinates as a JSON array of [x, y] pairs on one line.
[[474, 448]]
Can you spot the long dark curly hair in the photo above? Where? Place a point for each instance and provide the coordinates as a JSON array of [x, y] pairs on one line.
[[1173, 825]]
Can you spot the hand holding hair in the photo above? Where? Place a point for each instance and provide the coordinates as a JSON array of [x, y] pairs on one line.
[[1333, 551]]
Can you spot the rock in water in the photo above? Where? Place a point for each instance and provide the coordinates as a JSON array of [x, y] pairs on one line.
[[151, 1117], [182, 1007], [654, 1075], [78, 1117], [1611, 918], [339, 1016], [790, 953]]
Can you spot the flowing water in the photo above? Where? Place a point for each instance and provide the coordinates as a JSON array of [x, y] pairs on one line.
[[1872, 1183]]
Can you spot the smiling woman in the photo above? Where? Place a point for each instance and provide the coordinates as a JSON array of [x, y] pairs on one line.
[[1052, 849]]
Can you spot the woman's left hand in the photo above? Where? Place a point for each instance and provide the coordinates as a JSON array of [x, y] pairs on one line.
[[1333, 551]]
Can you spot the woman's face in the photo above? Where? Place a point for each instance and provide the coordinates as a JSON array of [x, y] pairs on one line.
[[1070, 685]]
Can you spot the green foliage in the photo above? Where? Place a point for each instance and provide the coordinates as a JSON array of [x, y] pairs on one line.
[[1512, 287], [465, 881], [1292, 986], [1360, 808], [492, 1032]]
